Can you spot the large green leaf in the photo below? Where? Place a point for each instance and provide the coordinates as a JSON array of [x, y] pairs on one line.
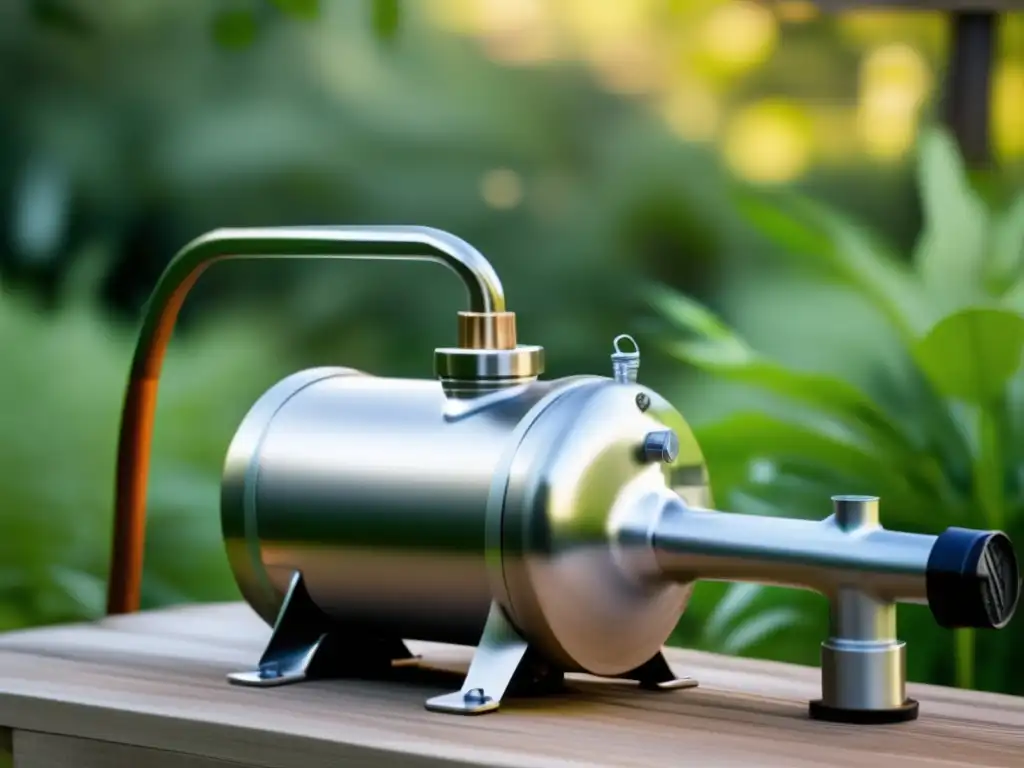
[[738, 622], [58, 450], [738, 598], [235, 28], [758, 627], [722, 352], [797, 490], [971, 354], [386, 18], [1005, 266], [835, 398], [300, 9], [950, 254], [61, 16], [747, 435], [690, 315], [1015, 426], [843, 249]]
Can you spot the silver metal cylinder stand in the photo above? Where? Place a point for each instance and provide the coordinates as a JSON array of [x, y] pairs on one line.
[[863, 663]]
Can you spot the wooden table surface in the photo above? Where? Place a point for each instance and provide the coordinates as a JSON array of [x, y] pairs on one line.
[[150, 690]]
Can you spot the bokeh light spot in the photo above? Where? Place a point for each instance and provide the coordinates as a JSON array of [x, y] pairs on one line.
[[740, 35], [1008, 110], [501, 188], [894, 81], [769, 142]]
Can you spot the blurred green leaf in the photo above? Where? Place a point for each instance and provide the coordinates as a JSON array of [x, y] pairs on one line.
[[235, 28], [86, 592], [692, 316], [1013, 299], [1005, 266], [737, 622], [386, 18], [754, 433], [778, 218], [722, 352], [972, 354], [952, 384], [61, 16], [300, 9], [833, 397], [846, 251], [758, 627], [738, 598], [57, 486], [1015, 429], [950, 255]]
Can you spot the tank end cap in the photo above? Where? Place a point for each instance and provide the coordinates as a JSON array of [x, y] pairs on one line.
[[973, 579], [904, 713]]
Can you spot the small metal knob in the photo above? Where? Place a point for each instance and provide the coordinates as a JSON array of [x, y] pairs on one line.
[[853, 513], [661, 446]]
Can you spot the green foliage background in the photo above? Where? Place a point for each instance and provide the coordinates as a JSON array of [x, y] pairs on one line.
[[873, 374], [859, 333]]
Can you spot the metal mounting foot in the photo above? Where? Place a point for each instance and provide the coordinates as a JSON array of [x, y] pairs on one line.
[[305, 644], [656, 675], [504, 663]]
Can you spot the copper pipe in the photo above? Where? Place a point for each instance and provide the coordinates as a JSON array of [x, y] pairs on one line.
[[486, 295]]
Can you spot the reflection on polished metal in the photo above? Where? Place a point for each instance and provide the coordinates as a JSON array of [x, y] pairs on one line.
[[560, 526]]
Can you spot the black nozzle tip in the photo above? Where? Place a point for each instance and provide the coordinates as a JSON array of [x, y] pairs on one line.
[[973, 579]]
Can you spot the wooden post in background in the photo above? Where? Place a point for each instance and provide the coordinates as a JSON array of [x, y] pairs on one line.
[[967, 98], [966, 104]]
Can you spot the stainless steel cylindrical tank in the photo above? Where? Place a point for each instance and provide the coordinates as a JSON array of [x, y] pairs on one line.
[[375, 489], [408, 512]]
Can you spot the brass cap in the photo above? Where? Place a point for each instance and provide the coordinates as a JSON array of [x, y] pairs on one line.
[[487, 330]]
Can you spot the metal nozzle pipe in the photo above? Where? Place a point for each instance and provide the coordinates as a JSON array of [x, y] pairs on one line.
[[848, 548], [967, 578]]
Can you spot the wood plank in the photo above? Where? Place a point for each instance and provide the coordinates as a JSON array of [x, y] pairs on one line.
[[43, 750], [156, 680]]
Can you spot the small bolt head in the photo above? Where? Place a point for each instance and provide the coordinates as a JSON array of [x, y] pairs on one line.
[[661, 446]]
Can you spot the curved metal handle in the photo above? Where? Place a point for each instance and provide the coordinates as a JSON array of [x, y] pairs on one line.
[[393, 242]]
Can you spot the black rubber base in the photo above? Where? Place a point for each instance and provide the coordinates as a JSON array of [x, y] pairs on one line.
[[902, 714]]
